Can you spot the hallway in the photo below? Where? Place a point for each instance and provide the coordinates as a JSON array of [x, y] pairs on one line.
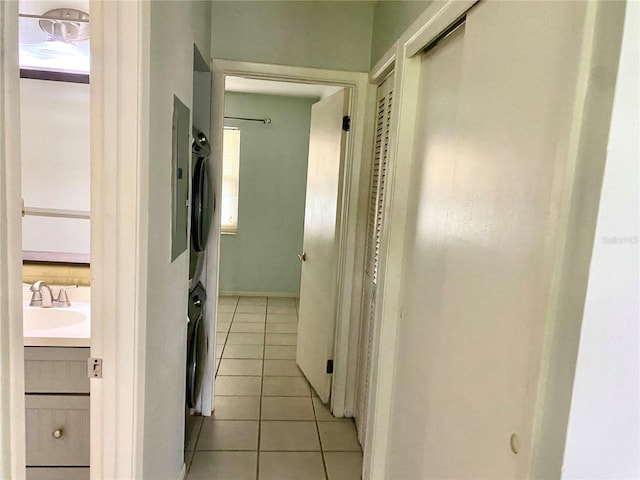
[[268, 422]]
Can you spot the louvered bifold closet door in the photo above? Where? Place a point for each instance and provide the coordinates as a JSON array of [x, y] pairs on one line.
[[375, 221]]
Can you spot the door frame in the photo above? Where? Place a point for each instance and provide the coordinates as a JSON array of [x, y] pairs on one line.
[[351, 250], [561, 340], [12, 409], [120, 58], [119, 156]]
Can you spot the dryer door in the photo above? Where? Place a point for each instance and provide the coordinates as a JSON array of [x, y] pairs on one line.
[[197, 345], [203, 204], [196, 358]]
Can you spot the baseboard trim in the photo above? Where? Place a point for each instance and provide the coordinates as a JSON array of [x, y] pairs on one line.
[[260, 294]]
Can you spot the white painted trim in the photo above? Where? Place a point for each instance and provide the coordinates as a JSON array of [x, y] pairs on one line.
[[259, 294], [289, 73], [12, 414], [577, 210], [213, 245], [351, 253], [384, 66], [205, 403], [119, 210], [432, 23], [183, 472], [407, 74], [359, 242]]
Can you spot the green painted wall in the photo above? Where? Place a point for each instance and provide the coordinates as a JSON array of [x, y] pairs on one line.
[[390, 20], [261, 257], [333, 35]]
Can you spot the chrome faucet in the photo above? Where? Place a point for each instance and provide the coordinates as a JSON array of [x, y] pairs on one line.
[[42, 295], [38, 299]]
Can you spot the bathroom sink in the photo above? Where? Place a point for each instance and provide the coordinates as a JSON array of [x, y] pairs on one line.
[[47, 318]]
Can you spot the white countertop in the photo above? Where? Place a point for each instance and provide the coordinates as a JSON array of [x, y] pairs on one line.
[[73, 335]]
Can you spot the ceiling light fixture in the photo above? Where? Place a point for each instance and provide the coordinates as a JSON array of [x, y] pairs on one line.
[[66, 25]]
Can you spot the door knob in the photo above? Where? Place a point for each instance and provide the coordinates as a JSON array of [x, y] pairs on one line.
[[58, 433], [303, 257]]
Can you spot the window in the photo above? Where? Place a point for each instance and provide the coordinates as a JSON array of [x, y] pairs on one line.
[[230, 179]]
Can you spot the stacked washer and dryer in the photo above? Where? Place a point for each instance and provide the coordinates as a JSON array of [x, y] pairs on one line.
[[202, 208]]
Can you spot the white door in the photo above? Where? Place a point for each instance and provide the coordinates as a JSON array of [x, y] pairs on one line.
[[496, 99], [375, 214], [318, 280]]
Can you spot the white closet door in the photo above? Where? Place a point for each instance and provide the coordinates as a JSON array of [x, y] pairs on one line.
[[423, 281], [490, 172], [366, 377]]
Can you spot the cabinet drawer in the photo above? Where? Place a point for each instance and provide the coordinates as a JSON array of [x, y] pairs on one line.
[[56, 370], [58, 473], [66, 414]]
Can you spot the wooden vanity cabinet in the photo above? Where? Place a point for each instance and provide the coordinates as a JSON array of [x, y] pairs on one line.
[[57, 413]]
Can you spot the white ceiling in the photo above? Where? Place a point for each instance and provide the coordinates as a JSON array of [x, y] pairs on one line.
[[270, 87]]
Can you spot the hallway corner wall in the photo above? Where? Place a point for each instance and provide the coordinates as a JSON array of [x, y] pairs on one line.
[[175, 28]]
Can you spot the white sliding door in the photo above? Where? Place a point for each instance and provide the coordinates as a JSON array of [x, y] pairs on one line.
[[491, 168]]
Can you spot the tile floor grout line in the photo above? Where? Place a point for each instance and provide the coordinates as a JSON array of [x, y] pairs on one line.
[[215, 375], [260, 409], [315, 416], [279, 450], [224, 345], [261, 395], [315, 413], [195, 447], [264, 341]]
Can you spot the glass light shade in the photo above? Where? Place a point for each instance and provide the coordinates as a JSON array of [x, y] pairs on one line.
[[38, 52]]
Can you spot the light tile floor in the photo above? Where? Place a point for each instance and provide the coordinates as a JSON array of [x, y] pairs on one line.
[[268, 423]]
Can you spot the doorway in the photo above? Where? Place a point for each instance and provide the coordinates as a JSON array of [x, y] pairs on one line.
[[267, 137], [347, 251], [280, 219], [282, 162], [56, 281]]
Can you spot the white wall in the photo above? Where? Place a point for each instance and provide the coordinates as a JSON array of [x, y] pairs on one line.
[[54, 122], [175, 27], [603, 439]]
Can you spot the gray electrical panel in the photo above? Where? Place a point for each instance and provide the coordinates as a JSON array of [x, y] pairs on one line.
[[180, 155]]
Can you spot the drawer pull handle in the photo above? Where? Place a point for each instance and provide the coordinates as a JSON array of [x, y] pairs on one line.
[[58, 433]]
